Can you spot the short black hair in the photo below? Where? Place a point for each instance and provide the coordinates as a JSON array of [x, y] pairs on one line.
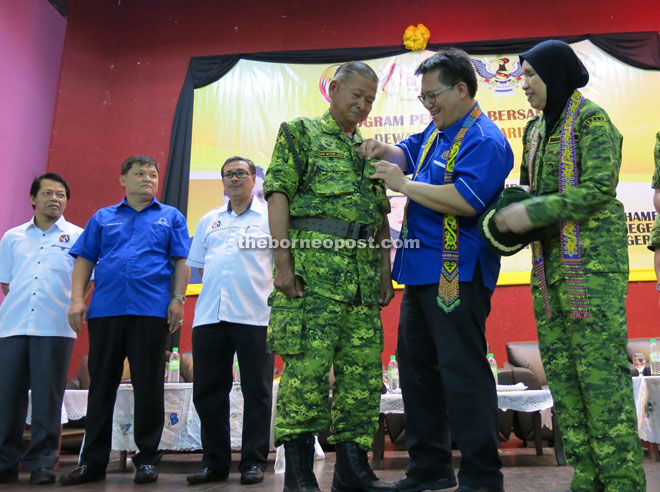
[[140, 160], [36, 184], [355, 67], [251, 166], [454, 66]]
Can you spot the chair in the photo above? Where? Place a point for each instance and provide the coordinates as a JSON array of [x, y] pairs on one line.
[[524, 358]]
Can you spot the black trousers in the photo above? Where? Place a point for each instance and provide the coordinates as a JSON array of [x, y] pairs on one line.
[[40, 364], [213, 352], [142, 340], [447, 385]]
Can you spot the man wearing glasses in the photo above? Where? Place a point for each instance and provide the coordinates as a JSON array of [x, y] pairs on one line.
[[231, 249], [458, 166]]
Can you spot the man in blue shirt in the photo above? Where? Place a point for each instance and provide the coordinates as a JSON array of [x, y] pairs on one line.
[[138, 249], [459, 164]]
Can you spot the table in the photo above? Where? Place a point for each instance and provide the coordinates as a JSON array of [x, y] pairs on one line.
[[647, 404], [74, 406], [182, 428], [522, 401]]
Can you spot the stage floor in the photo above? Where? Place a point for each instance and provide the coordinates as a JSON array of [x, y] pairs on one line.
[[523, 472]]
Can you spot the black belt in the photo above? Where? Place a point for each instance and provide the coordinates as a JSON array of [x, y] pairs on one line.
[[335, 227]]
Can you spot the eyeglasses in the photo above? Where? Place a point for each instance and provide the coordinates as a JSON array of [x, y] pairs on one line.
[[429, 97], [240, 174]]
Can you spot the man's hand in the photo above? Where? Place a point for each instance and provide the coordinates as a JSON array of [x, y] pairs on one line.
[[77, 314], [174, 315], [286, 281], [372, 149], [391, 174], [386, 293], [513, 218]]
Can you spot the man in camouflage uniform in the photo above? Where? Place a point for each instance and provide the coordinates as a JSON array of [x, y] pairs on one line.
[[323, 212], [582, 339]]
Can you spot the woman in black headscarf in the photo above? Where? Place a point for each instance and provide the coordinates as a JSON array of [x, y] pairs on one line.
[[571, 162]]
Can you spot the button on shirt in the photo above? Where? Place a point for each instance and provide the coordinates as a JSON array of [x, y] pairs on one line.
[[482, 164], [134, 252], [37, 266], [234, 251]]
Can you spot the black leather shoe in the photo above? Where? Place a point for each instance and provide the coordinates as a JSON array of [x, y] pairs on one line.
[[83, 474], [146, 474], [42, 476], [252, 475], [482, 488], [410, 484], [206, 476], [9, 475]]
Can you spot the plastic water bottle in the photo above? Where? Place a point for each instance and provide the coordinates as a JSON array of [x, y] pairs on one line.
[[237, 372], [393, 375], [654, 358], [493, 365], [175, 366]]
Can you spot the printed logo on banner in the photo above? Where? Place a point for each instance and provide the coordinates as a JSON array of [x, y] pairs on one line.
[[400, 80], [500, 75], [324, 83]]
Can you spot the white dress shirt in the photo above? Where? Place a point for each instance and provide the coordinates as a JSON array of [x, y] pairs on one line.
[[37, 266], [236, 281]]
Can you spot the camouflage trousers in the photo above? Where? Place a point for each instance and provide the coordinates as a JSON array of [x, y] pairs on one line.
[[342, 336], [590, 379]]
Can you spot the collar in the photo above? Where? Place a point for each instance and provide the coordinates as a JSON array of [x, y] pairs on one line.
[[229, 209], [153, 203], [450, 132], [329, 125], [59, 223]]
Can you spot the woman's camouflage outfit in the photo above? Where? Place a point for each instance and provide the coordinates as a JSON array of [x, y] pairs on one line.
[[584, 354]]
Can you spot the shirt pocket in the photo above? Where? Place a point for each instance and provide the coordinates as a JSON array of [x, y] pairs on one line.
[[159, 238], [333, 177], [60, 259]]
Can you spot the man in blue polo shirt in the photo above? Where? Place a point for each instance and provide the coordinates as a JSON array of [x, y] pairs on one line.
[[138, 249], [459, 164]]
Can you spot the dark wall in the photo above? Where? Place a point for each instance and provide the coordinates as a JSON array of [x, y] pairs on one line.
[[124, 63]]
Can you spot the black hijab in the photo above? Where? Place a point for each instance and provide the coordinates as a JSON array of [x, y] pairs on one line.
[[561, 71]]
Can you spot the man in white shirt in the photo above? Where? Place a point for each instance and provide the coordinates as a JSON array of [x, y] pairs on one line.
[[231, 248], [35, 338]]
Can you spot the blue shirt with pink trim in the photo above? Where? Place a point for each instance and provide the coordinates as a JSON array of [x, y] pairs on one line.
[[483, 162], [132, 252]]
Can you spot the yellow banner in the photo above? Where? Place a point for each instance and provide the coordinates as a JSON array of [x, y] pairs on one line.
[[240, 115]]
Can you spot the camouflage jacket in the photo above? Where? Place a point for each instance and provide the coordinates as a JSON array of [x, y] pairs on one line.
[[655, 181], [592, 202], [333, 182]]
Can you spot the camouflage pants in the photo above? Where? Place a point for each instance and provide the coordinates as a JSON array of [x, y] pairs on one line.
[[346, 337], [589, 376]]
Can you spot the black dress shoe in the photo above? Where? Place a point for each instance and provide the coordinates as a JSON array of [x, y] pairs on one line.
[[83, 474], [42, 476], [9, 475], [411, 484], [146, 474], [254, 474], [206, 476], [482, 488]]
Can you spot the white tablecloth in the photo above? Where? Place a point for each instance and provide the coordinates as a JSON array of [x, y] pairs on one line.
[[74, 406], [647, 403], [524, 401]]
